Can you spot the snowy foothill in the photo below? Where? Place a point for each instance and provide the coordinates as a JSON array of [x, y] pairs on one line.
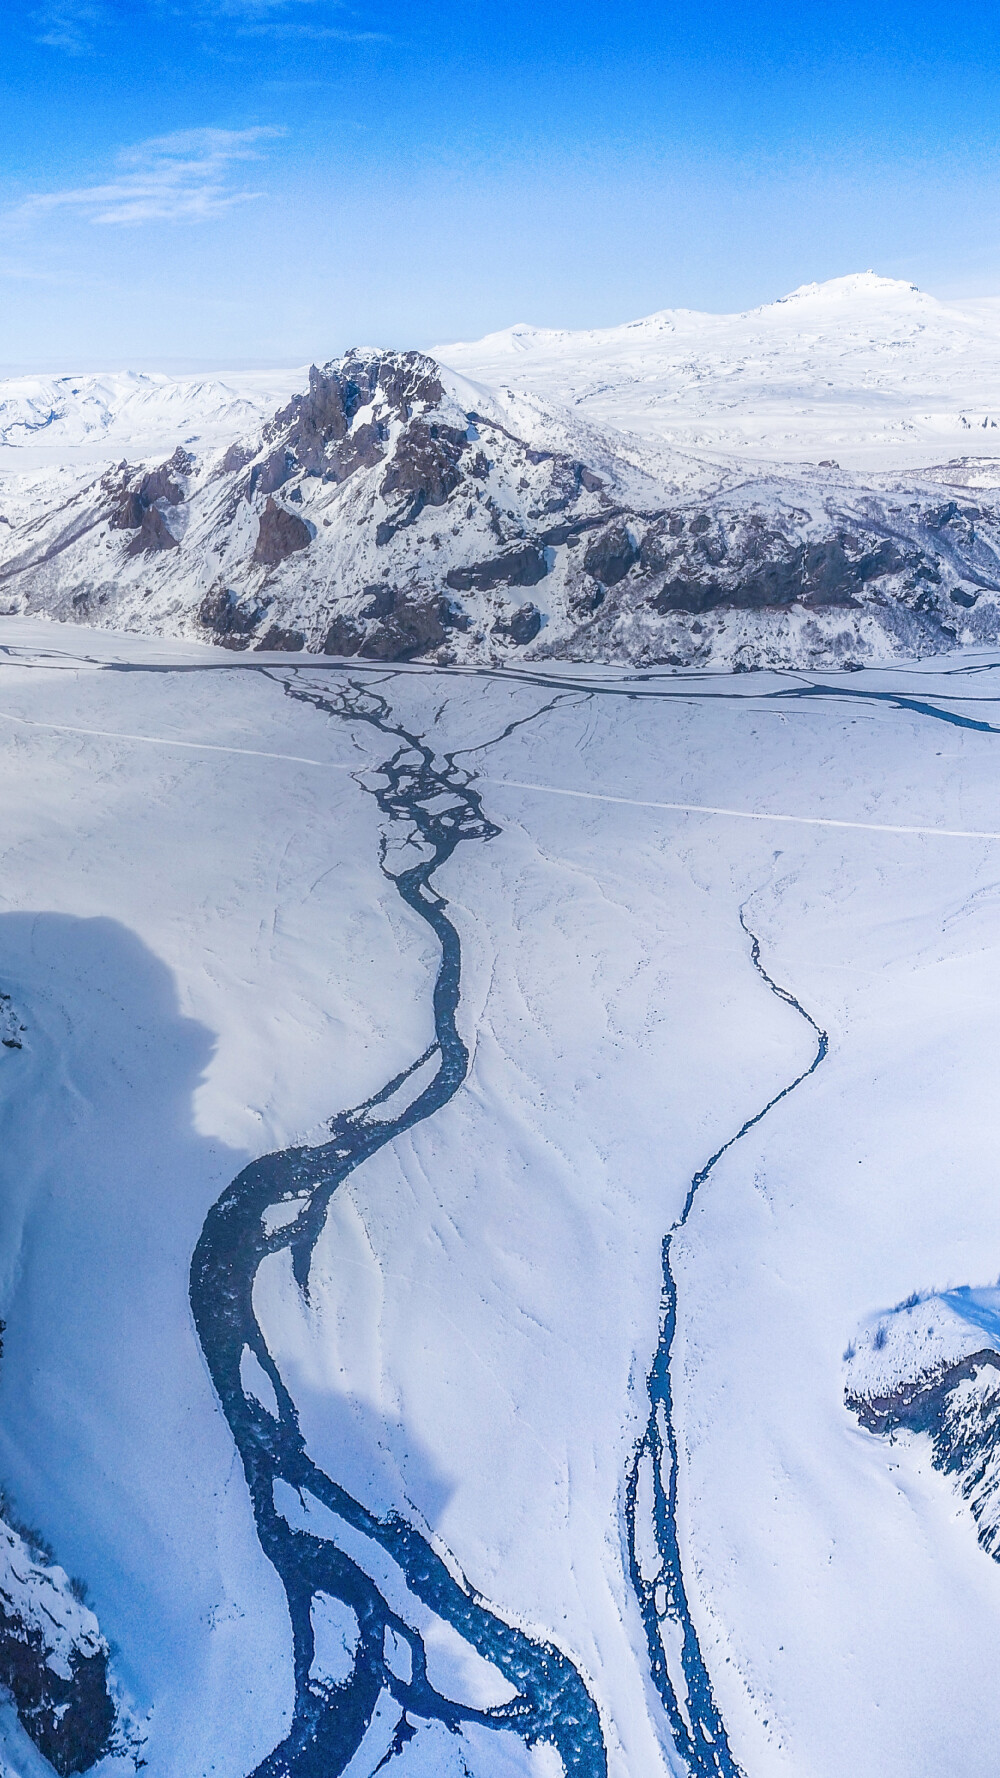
[[209, 964]]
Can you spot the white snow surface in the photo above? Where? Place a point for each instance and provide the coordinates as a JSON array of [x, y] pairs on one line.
[[923, 1338], [78, 422], [208, 964], [866, 370]]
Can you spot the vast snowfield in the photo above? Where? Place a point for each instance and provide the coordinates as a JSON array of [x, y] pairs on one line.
[[865, 369], [205, 946]]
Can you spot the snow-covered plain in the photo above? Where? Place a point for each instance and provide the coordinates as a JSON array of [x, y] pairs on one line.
[[209, 963]]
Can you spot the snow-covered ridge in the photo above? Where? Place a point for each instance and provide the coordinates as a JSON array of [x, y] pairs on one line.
[[866, 369], [90, 419], [608, 496], [921, 1339]]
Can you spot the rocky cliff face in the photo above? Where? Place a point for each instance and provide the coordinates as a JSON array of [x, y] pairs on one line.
[[53, 1658], [393, 512], [932, 1367]]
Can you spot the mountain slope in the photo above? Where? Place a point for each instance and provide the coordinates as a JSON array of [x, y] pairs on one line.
[[395, 511]]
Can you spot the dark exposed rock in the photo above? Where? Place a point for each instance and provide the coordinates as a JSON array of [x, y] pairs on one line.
[[522, 627], [832, 573], [316, 428], [569, 478], [588, 598], [423, 471], [127, 515], [415, 627], [153, 534], [280, 534], [524, 566], [133, 502], [230, 622], [137, 507], [279, 640], [273, 473], [236, 458], [163, 484], [381, 599], [343, 637], [960, 596], [610, 556], [569, 531], [917, 1402], [70, 1720]]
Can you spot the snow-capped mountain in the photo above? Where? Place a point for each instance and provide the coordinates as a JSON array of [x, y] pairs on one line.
[[868, 370], [396, 509]]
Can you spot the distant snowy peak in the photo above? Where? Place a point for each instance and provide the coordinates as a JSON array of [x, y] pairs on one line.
[[864, 291], [857, 285], [866, 369], [69, 420]]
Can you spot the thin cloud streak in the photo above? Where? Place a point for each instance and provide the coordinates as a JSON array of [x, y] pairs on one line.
[[273, 18], [68, 25], [184, 177]]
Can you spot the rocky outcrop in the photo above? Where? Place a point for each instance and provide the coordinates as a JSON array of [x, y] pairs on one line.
[[153, 534], [757, 567], [522, 626], [322, 431], [53, 1658], [524, 565], [343, 637], [137, 493], [228, 620], [423, 471], [611, 554], [280, 641], [279, 534]]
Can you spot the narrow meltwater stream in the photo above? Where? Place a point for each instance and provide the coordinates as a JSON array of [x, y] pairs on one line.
[[678, 1666], [280, 1203], [436, 806]]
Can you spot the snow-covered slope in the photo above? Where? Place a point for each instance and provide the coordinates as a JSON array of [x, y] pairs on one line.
[[868, 370], [67, 421], [559, 936]]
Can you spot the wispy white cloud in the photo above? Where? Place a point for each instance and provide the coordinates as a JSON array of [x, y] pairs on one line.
[[315, 19], [78, 26], [189, 176], [69, 25]]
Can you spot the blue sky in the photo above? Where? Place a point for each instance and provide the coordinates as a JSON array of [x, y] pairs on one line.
[[227, 181]]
